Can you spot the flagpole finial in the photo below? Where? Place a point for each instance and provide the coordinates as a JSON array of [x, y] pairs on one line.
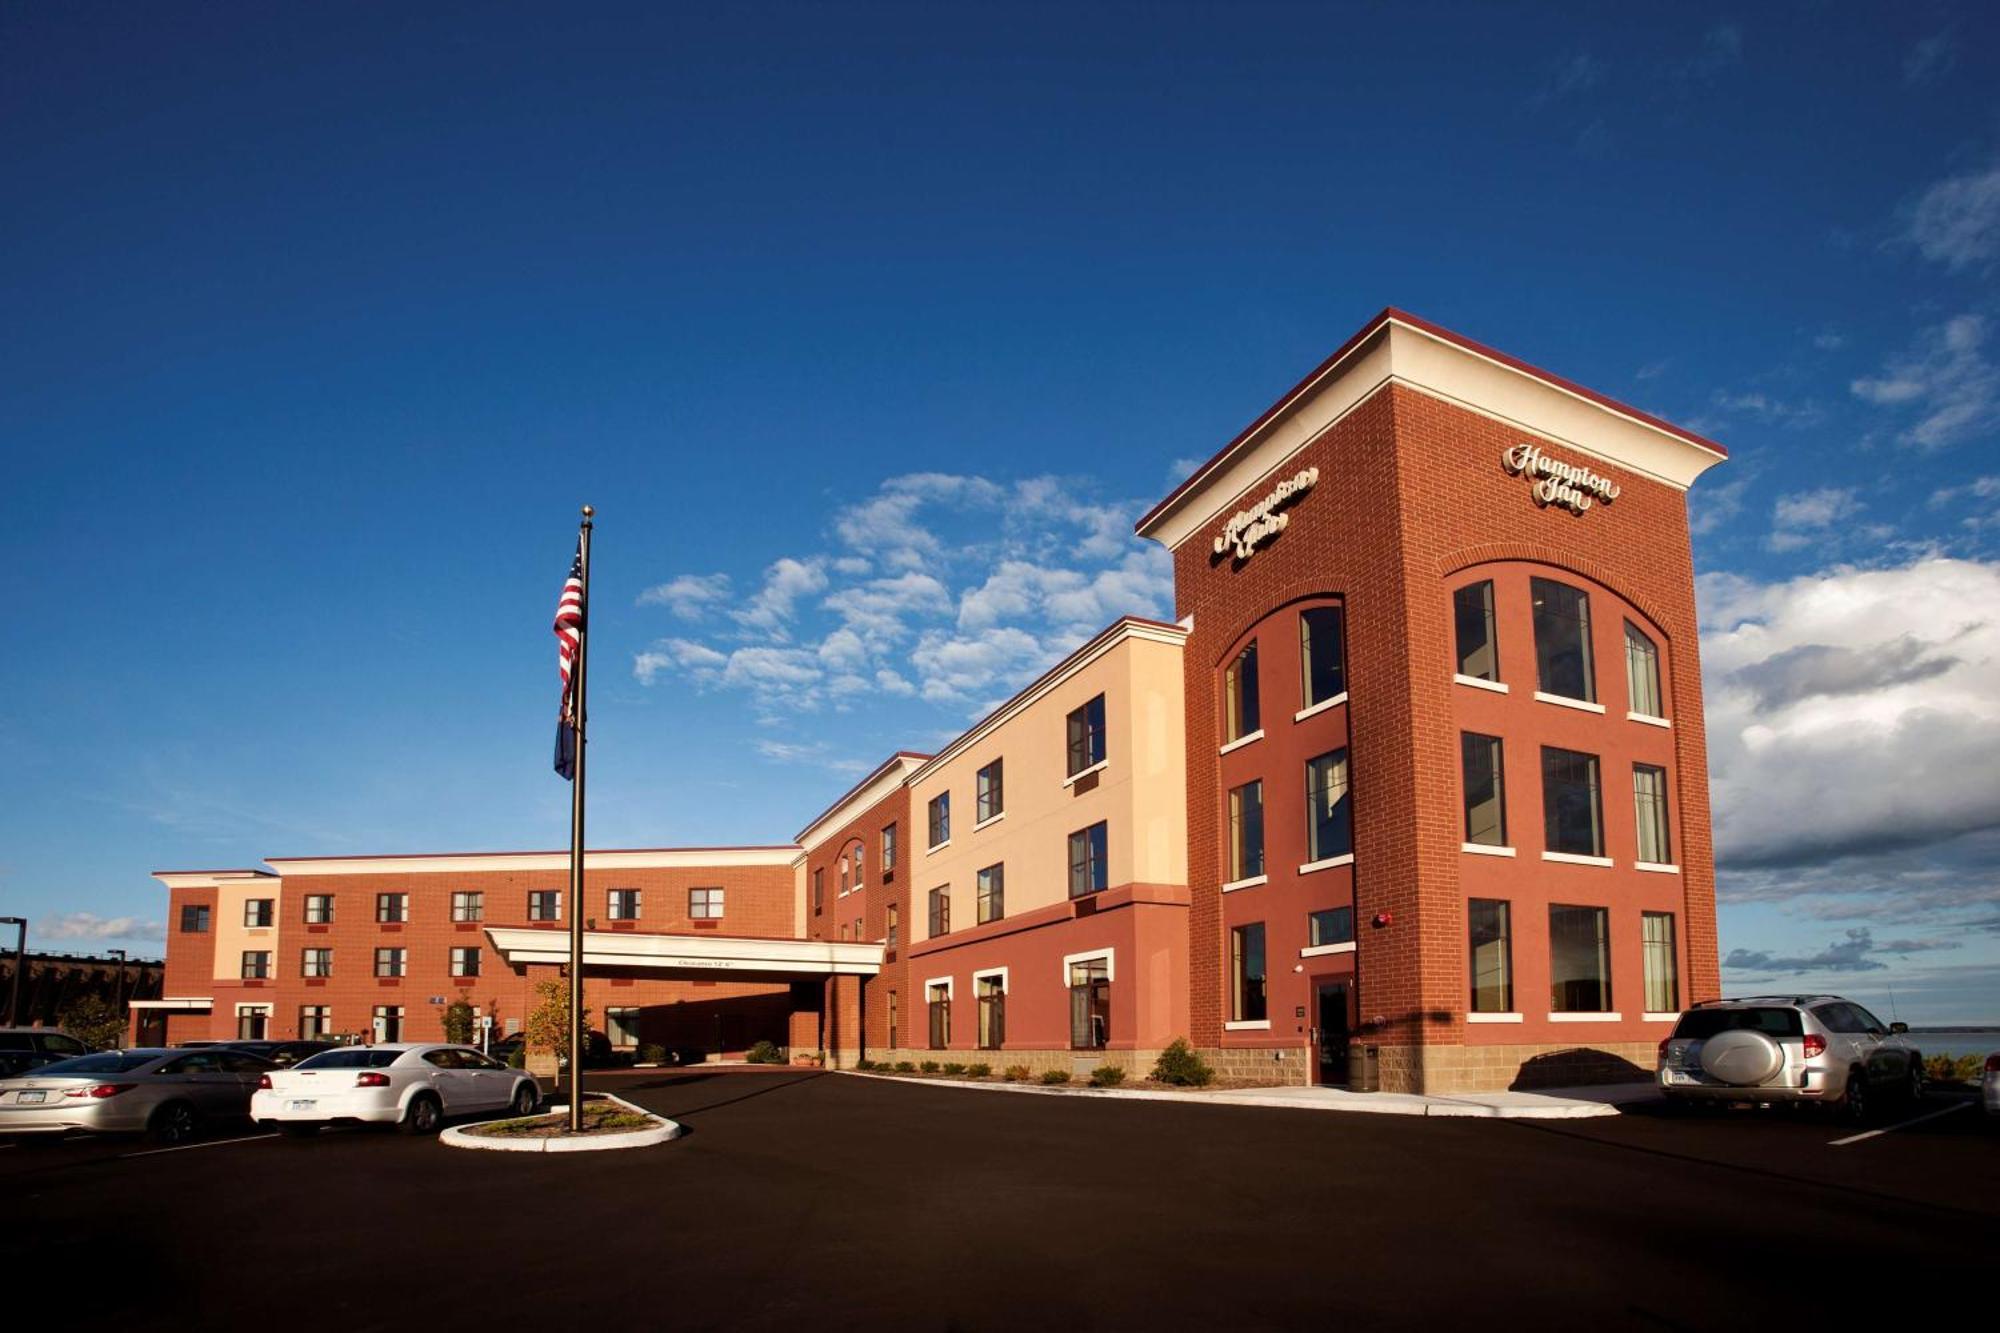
[[588, 511]]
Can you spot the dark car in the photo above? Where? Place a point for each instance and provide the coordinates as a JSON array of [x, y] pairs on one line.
[[596, 1048], [283, 1054], [22, 1049]]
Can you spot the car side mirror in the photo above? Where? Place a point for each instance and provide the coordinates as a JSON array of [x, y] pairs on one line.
[[1899, 1027]]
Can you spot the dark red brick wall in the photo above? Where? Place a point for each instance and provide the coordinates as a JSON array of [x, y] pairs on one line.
[[844, 1001]]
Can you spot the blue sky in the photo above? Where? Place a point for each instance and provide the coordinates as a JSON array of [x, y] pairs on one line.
[[869, 329]]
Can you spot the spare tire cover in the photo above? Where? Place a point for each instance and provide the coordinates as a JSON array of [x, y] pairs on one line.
[[1742, 1057]]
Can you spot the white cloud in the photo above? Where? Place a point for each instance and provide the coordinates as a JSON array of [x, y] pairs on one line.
[[1765, 407], [1930, 59], [689, 596], [815, 752], [90, 926], [785, 582], [1956, 222], [1802, 518], [697, 660], [880, 607], [954, 668], [1856, 953], [1712, 506], [1948, 378]]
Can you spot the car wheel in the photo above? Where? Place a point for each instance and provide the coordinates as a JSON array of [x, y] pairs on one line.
[[1914, 1087], [526, 1098], [297, 1129], [173, 1124], [423, 1117], [1857, 1104]]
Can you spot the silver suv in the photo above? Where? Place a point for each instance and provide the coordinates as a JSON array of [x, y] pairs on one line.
[[1789, 1048]]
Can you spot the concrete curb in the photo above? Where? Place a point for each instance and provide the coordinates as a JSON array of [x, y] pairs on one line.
[[1358, 1103], [456, 1136]]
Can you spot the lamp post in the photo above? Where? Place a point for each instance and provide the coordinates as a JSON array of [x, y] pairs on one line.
[[118, 995], [20, 923]]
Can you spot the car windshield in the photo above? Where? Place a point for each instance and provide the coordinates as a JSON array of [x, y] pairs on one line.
[[353, 1058], [110, 1062], [1704, 1023]]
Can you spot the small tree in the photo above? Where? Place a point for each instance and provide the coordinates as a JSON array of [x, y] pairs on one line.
[[458, 1021], [548, 1022], [94, 1021]]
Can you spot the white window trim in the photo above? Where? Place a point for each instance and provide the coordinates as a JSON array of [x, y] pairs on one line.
[[1331, 701], [1249, 883], [938, 847], [1589, 1018], [1492, 1018], [265, 1009], [1649, 719], [1327, 863], [1322, 950], [1564, 701], [1497, 686], [989, 821], [1242, 741], [1083, 773], [1657, 867], [1110, 957], [938, 981], [985, 972], [1485, 849], [1650, 1017], [1577, 859], [1247, 1025]]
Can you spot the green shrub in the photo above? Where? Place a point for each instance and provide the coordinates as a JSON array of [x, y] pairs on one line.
[[765, 1053], [864, 1063], [978, 1071], [651, 1054], [1107, 1076], [928, 1066], [1016, 1074], [954, 1067], [1055, 1076], [1180, 1066], [905, 1067], [1949, 1069], [517, 1058]]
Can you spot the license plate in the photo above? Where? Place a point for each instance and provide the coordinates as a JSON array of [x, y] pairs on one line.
[[300, 1105], [35, 1096]]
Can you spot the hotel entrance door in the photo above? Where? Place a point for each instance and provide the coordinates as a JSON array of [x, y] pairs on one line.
[[1330, 1033]]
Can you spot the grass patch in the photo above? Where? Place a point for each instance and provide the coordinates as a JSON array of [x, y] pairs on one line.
[[599, 1117]]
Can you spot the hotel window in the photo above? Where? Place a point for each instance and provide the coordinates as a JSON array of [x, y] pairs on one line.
[[316, 963], [1090, 1004], [1642, 672], [621, 1026], [889, 937], [992, 997], [819, 889], [860, 864], [1241, 712], [1331, 925], [545, 905], [988, 800], [392, 907], [315, 1021], [705, 904], [1562, 640], [940, 812], [1246, 831], [1086, 736], [258, 911], [1483, 778], [468, 905], [319, 909], [389, 962], [1572, 805], [992, 898], [888, 850], [1329, 814], [1579, 960], [1246, 963], [940, 912], [1472, 620], [252, 1022], [194, 920], [1649, 804], [1089, 856], [1322, 660], [940, 1006], [256, 964], [624, 904], [388, 1022], [845, 881], [1663, 984], [894, 1014], [464, 961], [1492, 928], [843, 931]]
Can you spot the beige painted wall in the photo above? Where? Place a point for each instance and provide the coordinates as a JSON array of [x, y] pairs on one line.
[[233, 938]]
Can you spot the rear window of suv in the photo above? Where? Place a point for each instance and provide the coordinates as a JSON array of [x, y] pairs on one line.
[[362, 1059], [1701, 1024]]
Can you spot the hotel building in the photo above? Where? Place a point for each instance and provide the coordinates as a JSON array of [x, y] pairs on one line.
[[1420, 764]]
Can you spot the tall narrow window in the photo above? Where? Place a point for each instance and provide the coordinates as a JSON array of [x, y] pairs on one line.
[[992, 995], [315, 1021], [388, 1022], [1642, 672], [465, 961], [319, 909], [1663, 984], [1492, 928], [1579, 960], [1086, 736], [940, 912], [1090, 1004], [1246, 961], [940, 812], [888, 850], [940, 1005], [819, 889], [1572, 805], [992, 893], [1484, 781], [256, 964], [1472, 620], [389, 962], [845, 882], [1329, 814], [1649, 805], [1089, 857], [1246, 831], [892, 918], [251, 1023], [895, 1025], [860, 865], [545, 905], [1242, 714], [621, 1026], [988, 800], [1322, 660], [1562, 640], [316, 963]]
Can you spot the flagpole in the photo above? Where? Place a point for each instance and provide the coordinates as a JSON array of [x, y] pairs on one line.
[[579, 715]]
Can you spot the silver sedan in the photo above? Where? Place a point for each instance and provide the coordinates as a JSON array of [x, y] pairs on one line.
[[166, 1094]]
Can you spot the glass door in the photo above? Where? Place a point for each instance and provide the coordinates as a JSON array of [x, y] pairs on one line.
[[1330, 1033]]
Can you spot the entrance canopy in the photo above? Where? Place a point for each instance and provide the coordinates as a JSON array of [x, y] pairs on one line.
[[175, 1003], [690, 953]]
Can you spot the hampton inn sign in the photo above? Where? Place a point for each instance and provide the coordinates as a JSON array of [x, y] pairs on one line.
[[1570, 485], [1250, 528]]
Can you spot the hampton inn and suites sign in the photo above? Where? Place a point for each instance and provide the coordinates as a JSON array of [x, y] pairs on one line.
[[1570, 485], [1248, 529]]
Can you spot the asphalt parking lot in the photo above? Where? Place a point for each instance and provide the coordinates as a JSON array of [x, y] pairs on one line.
[[805, 1199]]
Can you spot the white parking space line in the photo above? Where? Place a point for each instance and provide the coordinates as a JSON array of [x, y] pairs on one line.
[[1890, 1129], [190, 1147]]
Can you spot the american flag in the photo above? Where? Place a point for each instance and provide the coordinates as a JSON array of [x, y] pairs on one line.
[[569, 631]]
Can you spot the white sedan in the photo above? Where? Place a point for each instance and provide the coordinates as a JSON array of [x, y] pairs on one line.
[[413, 1085]]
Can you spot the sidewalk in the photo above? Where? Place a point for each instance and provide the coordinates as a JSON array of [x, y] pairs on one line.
[[1542, 1104]]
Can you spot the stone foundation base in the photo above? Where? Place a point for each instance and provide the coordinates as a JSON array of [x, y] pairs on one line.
[[1078, 1064], [1278, 1068]]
